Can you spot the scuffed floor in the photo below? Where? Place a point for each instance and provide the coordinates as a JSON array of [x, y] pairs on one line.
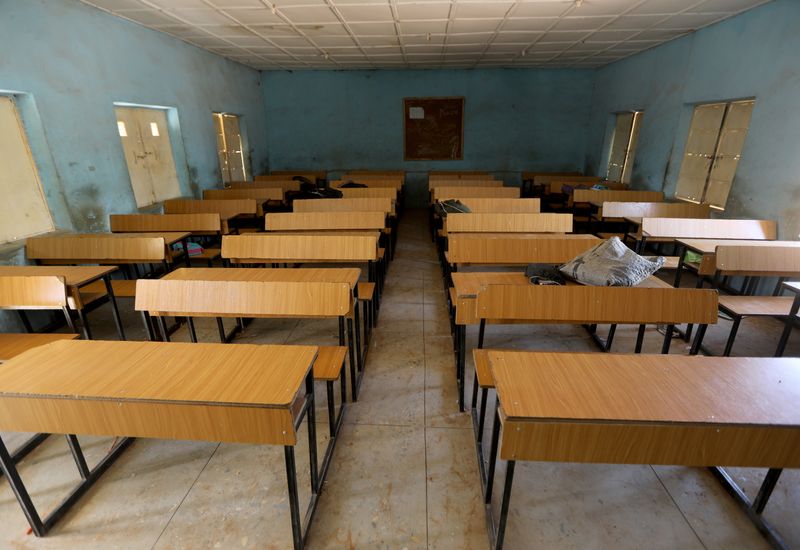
[[404, 473]]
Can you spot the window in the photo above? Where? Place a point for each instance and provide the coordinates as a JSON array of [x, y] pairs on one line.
[[623, 146], [230, 148], [148, 152], [713, 149], [27, 214]]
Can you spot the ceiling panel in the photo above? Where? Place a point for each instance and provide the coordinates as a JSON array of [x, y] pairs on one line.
[[358, 34]]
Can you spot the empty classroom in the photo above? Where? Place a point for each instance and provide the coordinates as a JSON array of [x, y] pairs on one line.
[[399, 274]]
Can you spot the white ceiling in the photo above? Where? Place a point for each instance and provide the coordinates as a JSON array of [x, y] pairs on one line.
[[368, 34]]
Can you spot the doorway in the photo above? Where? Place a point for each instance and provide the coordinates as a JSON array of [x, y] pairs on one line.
[[230, 148], [148, 152]]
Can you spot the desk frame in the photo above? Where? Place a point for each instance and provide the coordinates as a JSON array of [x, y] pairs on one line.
[[300, 526]]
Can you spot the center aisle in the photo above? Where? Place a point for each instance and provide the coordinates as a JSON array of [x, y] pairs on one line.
[[404, 471]]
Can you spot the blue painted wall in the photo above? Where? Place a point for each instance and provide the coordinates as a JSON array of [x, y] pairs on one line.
[[752, 55], [72, 62], [514, 119], [69, 63]]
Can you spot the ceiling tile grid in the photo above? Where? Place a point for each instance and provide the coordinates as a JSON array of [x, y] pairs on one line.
[[413, 34]]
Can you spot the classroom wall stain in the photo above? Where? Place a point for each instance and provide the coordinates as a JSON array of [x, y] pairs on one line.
[[75, 89], [751, 55]]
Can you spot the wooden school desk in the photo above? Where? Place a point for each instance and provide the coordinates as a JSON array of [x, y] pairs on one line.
[[75, 278], [707, 248], [207, 392], [12, 345], [209, 298], [666, 409], [107, 248], [503, 298]]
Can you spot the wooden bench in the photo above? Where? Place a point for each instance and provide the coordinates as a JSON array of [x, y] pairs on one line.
[[369, 204], [463, 193], [198, 224], [333, 222], [612, 195], [780, 260], [617, 212], [35, 292], [259, 294], [692, 228], [283, 185], [260, 194], [209, 224], [128, 249], [577, 304], [81, 296], [515, 249], [256, 394], [489, 204], [269, 248], [226, 208], [619, 409], [336, 221], [502, 298], [493, 222], [369, 192]]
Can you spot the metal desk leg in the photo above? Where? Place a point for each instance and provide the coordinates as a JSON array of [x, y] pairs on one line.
[[294, 498], [185, 245], [88, 477], [681, 259], [787, 329], [504, 504], [114, 307], [460, 366]]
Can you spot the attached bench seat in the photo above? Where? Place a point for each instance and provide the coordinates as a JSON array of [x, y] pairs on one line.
[[328, 368], [123, 288], [329, 364], [739, 307], [366, 295]]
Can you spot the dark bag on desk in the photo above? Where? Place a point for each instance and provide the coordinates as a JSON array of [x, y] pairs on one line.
[[451, 206], [352, 184], [544, 274]]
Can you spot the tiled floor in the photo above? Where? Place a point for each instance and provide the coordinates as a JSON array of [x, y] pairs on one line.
[[404, 473]]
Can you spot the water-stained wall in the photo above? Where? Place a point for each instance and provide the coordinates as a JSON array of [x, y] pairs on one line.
[[752, 55], [71, 63]]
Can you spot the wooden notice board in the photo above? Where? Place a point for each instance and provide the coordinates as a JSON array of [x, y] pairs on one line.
[[433, 128]]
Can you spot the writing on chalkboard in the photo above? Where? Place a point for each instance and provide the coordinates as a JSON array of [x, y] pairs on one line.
[[434, 128]]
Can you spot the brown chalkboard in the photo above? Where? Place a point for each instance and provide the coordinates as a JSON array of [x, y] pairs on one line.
[[433, 128]]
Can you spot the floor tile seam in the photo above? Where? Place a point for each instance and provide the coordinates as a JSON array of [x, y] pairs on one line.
[[425, 414], [677, 506], [183, 499]]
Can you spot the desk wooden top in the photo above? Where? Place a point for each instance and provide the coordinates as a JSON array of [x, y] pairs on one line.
[[648, 388], [709, 246], [348, 275], [12, 345], [660, 408], [170, 237], [468, 284], [213, 392], [74, 276]]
